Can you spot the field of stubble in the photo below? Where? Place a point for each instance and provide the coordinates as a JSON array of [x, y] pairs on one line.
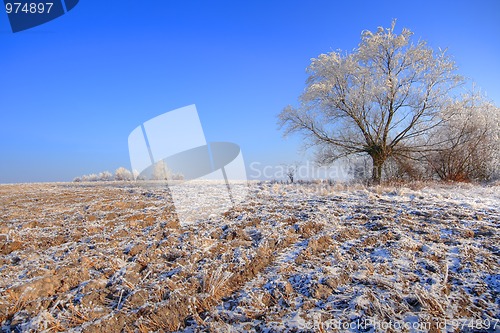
[[112, 257]]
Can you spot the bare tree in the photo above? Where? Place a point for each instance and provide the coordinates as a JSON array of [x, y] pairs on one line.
[[381, 100], [290, 171]]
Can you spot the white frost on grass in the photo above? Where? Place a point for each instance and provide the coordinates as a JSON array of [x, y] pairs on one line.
[[291, 256]]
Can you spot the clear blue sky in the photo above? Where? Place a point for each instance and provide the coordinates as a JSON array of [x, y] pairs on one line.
[[73, 89]]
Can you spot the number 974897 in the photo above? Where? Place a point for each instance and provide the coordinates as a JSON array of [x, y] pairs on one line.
[[28, 8]]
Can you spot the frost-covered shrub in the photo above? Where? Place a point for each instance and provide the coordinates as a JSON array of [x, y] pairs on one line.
[[105, 176], [404, 169], [90, 178], [123, 174], [467, 144], [102, 176]]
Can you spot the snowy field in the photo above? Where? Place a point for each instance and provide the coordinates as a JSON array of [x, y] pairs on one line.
[[111, 257]]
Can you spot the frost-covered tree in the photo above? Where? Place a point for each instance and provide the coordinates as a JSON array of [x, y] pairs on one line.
[[380, 100], [123, 174], [467, 143], [161, 171]]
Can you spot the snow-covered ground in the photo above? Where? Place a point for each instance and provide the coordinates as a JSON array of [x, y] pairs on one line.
[[112, 257]]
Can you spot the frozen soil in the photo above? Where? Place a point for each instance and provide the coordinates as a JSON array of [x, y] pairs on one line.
[[112, 257]]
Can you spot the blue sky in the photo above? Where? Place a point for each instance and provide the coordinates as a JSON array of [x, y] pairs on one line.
[[73, 89]]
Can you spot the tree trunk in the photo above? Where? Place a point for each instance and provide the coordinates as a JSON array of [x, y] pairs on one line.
[[377, 164]]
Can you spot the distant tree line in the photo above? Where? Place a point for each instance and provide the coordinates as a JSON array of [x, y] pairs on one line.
[[159, 171], [121, 174]]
